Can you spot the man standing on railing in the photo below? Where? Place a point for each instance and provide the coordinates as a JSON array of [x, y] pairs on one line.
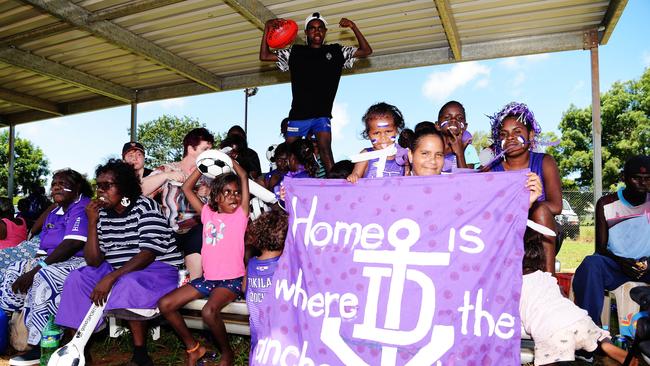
[[622, 240], [315, 73]]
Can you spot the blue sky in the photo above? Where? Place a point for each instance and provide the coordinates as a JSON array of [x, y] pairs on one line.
[[548, 83]]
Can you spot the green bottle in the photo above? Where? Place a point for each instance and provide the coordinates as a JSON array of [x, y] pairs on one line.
[[49, 340]]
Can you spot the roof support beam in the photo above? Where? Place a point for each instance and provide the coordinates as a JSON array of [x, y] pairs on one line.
[[449, 25], [614, 12], [29, 101], [255, 12], [523, 46], [129, 9], [36, 33], [104, 14], [494, 49], [78, 16], [67, 108], [40, 65]]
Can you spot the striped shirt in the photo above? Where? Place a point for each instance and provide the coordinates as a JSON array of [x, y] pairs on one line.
[[142, 227]]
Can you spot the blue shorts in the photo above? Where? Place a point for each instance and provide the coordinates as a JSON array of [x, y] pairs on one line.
[[205, 287], [305, 127]]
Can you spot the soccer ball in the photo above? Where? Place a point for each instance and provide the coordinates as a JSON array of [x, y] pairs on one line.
[[257, 208], [270, 153], [212, 163]]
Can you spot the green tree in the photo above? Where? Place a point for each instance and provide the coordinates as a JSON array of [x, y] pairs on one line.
[[481, 140], [163, 138], [30, 165], [625, 115]]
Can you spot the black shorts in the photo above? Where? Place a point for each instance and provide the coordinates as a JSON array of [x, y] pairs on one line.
[[191, 241]]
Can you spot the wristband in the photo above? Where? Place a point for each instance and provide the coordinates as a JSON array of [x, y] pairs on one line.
[[42, 264]]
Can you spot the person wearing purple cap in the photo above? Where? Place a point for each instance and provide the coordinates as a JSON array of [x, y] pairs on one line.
[[133, 153], [622, 239], [514, 133], [315, 73]]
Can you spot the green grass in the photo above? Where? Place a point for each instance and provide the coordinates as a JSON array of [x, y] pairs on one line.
[[166, 351], [573, 251]]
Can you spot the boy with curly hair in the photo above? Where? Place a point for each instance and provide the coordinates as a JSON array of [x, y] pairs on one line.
[[267, 235]]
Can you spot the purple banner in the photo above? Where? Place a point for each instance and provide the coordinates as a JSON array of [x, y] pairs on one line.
[[398, 271]]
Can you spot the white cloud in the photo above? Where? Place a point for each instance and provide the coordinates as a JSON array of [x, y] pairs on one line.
[[340, 119], [519, 79], [578, 87], [521, 65], [441, 84], [646, 58]]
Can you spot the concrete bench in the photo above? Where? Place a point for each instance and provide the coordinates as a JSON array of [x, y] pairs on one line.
[[235, 317]]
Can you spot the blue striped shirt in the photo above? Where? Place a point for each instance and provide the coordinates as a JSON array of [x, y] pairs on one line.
[[142, 227]]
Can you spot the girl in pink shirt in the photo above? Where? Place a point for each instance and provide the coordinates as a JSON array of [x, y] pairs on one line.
[[13, 231], [224, 221]]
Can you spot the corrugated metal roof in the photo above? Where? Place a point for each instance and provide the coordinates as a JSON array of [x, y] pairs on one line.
[[60, 57]]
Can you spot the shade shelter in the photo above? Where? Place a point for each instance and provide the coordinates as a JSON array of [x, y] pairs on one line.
[[60, 57]]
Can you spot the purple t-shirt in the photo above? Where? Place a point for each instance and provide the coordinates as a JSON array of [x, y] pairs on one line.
[[259, 275], [70, 224]]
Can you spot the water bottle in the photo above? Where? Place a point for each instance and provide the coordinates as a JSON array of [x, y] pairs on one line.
[[49, 340], [4, 331]]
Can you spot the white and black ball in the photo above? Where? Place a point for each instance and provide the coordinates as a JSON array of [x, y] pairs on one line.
[[257, 208], [212, 163], [270, 153]]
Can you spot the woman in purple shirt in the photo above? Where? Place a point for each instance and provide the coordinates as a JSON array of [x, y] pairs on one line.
[[514, 129], [62, 240]]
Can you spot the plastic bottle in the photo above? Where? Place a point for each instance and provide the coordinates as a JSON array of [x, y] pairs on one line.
[[49, 340]]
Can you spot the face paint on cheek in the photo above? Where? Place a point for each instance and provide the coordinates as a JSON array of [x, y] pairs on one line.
[[503, 144], [373, 141], [521, 140], [444, 123], [67, 190], [393, 138]]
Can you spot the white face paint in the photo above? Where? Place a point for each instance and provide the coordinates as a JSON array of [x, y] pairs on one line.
[[103, 199], [67, 190]]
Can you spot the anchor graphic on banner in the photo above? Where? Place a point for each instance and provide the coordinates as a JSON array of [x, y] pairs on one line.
[[441, 337]]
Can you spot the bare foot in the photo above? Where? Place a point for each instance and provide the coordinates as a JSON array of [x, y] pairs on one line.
[[617, 354], [227, 359], [195, 356]]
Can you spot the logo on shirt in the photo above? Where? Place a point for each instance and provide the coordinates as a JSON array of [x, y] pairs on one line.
[[328, 56], [214, 232]]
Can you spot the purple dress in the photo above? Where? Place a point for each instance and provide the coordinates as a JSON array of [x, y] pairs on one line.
[[391, 169], [535, 165], [259, 276]]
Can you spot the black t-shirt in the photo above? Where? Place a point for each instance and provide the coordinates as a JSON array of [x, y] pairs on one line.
[[315, 75]]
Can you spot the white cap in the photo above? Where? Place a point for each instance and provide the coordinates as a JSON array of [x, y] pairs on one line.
[[313, 16]]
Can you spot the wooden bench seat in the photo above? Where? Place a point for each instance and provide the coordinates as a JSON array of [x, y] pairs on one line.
[[235, 317]]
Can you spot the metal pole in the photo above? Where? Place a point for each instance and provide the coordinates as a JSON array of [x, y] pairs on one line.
[[246, 111], [597, 128], [12, 157], [134, 120]]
